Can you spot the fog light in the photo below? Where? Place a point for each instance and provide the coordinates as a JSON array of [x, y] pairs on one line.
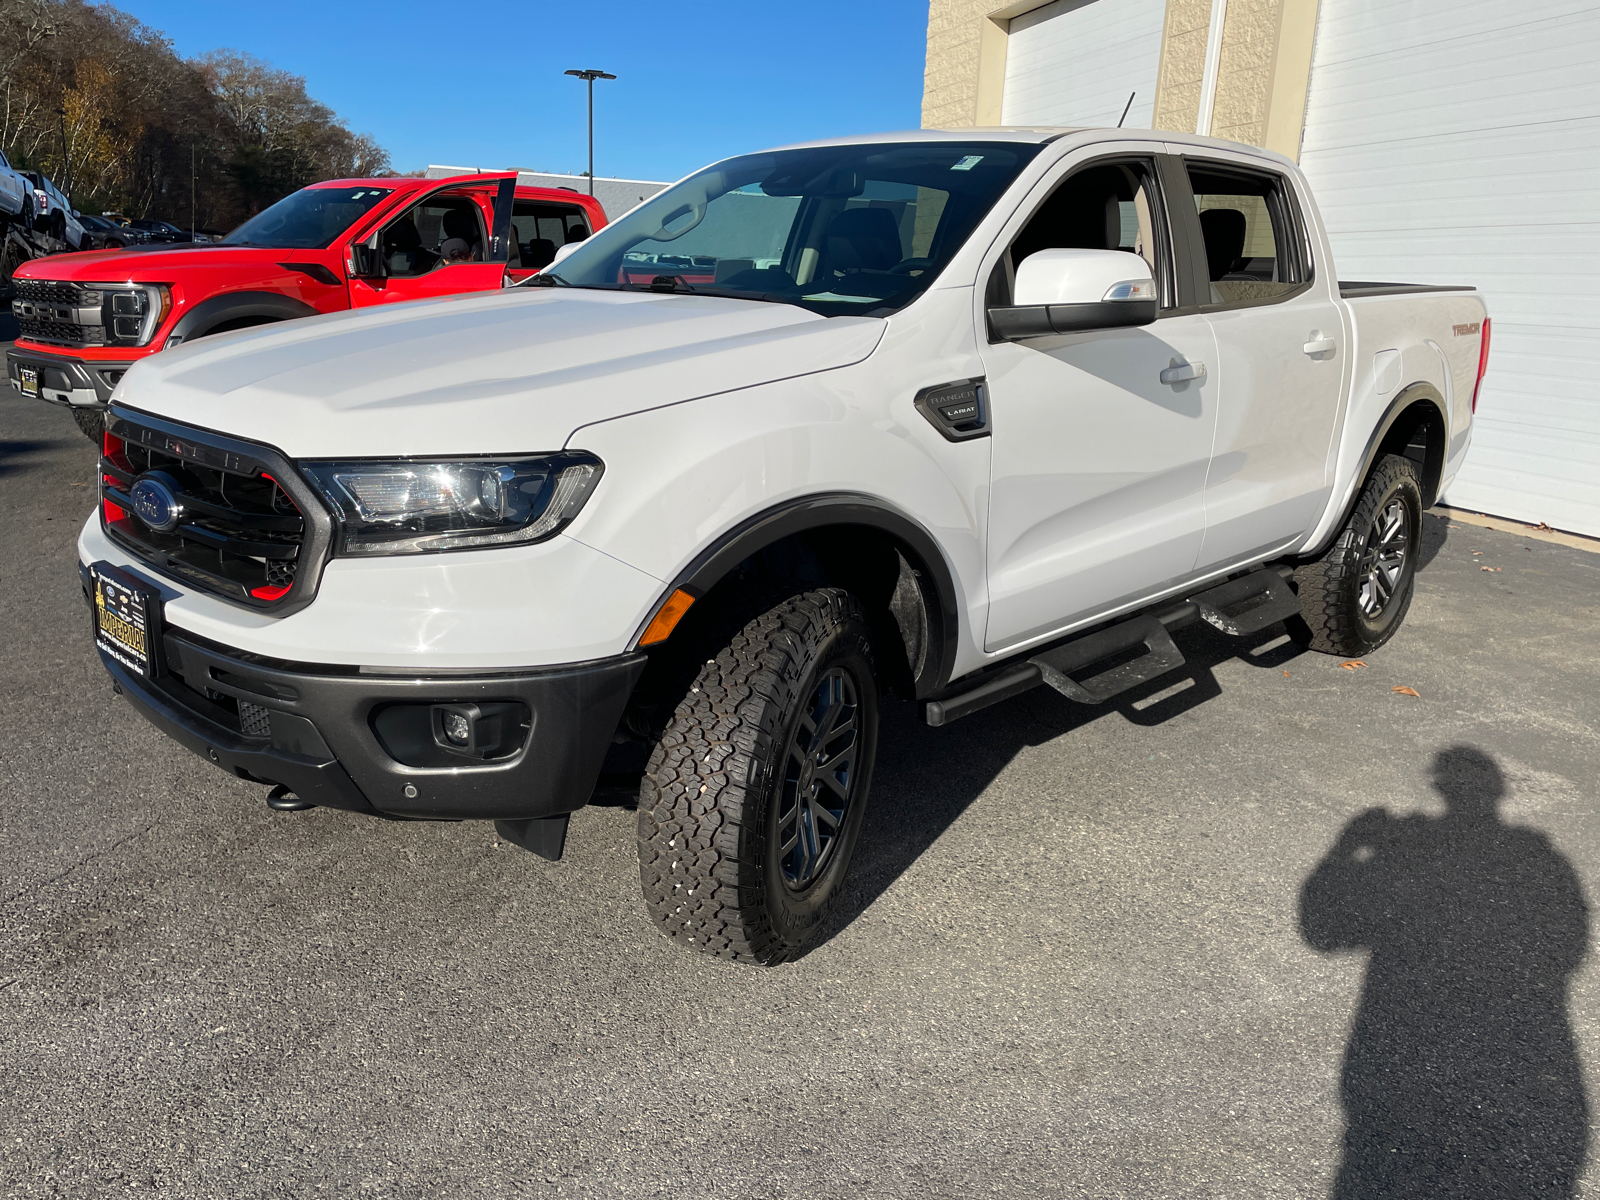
[[457, 729], [483, 731]]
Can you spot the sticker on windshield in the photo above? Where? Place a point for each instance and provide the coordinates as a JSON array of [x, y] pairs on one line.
[[968, 162]]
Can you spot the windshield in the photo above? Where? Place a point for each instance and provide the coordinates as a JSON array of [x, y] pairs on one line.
[[839, 230], [308, 220]]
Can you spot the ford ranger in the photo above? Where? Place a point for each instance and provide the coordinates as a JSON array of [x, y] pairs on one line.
[[944, 415], [347, 243]]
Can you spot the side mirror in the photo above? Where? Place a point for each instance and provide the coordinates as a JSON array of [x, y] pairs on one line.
[[365, 261], [563, 251], [1073, 291]]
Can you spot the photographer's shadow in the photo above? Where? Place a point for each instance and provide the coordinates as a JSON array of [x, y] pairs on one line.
[[1461, 1077]]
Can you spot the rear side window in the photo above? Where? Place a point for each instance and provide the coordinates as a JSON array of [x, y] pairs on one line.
[[539, 230], [1253, 250]]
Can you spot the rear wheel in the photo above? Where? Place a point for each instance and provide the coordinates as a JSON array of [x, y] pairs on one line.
[[755, 792], [1356, 595]]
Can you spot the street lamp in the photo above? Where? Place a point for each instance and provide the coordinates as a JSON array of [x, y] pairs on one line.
[[590, 76]]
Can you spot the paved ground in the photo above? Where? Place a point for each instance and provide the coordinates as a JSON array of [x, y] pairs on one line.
[[1074, 962]]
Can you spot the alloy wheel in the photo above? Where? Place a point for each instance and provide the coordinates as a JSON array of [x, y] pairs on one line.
[[820, 774], [1383, 561]]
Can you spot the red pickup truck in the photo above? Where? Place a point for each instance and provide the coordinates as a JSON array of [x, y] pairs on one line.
[[347, 243]]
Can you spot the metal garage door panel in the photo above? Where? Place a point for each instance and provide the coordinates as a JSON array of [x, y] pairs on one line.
[[1458, 142], [1075, 61]]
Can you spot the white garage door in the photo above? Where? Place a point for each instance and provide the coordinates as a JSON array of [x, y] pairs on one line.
[[1075, 62], [1459, 142]]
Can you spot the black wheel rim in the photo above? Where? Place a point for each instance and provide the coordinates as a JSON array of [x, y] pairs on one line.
[[819, 783], [1383, 562]]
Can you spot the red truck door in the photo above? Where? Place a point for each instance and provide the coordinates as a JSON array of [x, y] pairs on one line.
[[452, 240]]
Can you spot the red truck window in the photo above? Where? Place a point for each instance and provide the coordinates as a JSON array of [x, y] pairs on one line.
[[539, 230]]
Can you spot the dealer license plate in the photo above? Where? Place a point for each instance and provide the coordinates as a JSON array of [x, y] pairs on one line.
[[127, 618], [30, 381]]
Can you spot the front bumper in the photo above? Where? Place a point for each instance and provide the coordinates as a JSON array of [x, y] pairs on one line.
[[65, 379], [316, 730]]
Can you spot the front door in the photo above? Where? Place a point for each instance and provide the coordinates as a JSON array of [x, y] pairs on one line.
[[1099, 467], [444, 245]]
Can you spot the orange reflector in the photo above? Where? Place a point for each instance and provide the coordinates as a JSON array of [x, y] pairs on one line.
[[667, 618]]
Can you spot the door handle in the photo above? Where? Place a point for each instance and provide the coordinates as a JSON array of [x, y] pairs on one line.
[[1320, 345], [1184, 373]]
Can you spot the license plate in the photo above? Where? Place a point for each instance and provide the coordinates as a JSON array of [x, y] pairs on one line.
[[127, 618], [30, 381]]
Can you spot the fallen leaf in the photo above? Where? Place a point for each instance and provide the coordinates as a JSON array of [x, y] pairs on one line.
[[1286, 674], [1490, 568], [1355, 664], [1405, 691], [1477, 551], [1543, 527]]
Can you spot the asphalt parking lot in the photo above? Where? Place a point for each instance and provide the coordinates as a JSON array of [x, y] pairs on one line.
[[1152, 951]]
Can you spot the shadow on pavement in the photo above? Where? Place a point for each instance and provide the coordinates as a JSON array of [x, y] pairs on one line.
[[1461, 1078], [926, 778], [14, 455]]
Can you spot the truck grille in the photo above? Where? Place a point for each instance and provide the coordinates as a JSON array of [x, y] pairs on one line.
[[60, 313], [227, 517]]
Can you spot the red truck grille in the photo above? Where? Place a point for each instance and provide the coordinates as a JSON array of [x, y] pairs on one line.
[[63, 314], [226, 517]]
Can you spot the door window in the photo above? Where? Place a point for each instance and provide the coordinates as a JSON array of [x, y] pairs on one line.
[[436, 233], [1252, 252], [539, 230], [1105, 206]]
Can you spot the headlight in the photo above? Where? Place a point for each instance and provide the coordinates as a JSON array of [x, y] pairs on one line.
[[132, 312], [409, 507]]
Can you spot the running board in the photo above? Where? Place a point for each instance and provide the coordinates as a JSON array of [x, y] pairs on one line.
[[1248, 604], [1056, 667], [1161, 654]]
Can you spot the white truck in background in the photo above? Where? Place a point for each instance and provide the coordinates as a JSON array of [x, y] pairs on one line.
[[945, 415]]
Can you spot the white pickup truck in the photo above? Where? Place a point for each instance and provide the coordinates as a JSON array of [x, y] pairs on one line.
[[937, 415]]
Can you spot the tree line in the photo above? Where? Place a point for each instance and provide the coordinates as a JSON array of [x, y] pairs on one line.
[[103, 105]]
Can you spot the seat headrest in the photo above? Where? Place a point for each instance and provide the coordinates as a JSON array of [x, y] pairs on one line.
[[1224, 230], [865, 238], [402, 235], [458, 223]]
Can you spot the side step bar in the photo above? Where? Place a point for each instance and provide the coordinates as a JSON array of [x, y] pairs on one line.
[[1239, 607], [1248, 604]]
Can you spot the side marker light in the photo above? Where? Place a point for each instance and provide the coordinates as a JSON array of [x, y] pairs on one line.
[[667, 618]]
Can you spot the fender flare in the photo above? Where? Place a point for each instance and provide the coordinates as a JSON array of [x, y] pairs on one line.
[[231, 306], [918, 546], [1433, 467]]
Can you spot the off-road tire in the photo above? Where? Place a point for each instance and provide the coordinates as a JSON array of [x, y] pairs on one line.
[[710, 860], [1332, 618], [93, 423]]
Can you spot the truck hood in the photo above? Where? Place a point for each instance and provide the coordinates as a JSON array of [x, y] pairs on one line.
[[505, 372], [152, 263]]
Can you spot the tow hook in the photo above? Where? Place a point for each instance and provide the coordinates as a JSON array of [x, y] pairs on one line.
[[281, 799]]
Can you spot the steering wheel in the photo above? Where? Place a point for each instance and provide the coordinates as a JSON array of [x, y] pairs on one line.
[[908, 265]]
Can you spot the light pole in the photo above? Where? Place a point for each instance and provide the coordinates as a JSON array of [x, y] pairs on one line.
[[590, 76]]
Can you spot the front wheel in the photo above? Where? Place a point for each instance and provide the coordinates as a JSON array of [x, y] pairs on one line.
[[755, 792], [1353, 599], [92, 421]]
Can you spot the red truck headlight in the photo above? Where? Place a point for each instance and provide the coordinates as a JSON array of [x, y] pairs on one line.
[[132, 312]]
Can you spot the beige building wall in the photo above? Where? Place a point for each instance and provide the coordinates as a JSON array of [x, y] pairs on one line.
[[1262, 72]]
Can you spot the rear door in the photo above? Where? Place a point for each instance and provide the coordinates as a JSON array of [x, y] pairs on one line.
[[1281, 355], [452, 240], [539, 227]]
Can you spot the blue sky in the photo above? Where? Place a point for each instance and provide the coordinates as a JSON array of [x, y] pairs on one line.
[[481, 84]]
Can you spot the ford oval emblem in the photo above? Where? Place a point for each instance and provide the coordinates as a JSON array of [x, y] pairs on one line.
[[155, 505]]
